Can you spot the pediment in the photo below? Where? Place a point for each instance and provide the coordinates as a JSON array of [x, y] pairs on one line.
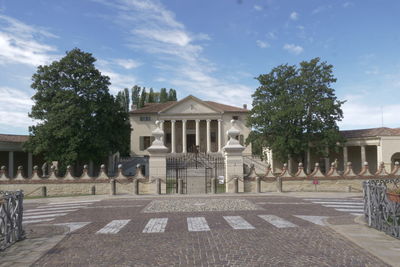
[[190, 105]]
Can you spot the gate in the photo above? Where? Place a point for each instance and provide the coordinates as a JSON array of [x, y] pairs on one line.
[[196, 171]]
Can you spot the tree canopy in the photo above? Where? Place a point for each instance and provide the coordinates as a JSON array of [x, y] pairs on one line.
[[78, 120], [140, 96], [295, 108]]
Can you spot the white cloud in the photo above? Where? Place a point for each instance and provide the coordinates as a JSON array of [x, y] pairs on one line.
[[21, 43], [262, 44], [119, 81], [294, 15], [294, 49], [258, 7], [14, 108], [127, 63]]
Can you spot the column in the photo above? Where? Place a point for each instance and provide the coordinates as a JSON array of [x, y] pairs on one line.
[[363, 157], [184, 148], [162, 128], [29, 165], [198, 134], [208, 136], [173, 136], [11, 164], [345, 158], [379, 155], [219, 135]]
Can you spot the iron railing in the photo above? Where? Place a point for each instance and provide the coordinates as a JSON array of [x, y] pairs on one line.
[[11, 212], [382, 213]]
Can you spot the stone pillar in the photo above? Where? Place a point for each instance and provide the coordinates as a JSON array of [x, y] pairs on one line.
[[29, 172], [173, 147], [208, 136], [157, 161], [233, 160], [184, 143], [162, 128], [363, 156], [219, 135], [379, 155], [345, 157], [198, 133], [11, 164]]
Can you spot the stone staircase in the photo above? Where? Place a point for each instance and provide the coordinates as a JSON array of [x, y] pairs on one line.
[[260, 166]]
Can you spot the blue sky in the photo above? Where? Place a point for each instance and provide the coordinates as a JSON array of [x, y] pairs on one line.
[[211, 49]]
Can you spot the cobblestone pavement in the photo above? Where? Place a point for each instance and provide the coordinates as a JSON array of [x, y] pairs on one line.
[[214, 231]]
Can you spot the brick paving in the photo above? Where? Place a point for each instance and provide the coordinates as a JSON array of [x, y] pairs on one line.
[[171, 243]]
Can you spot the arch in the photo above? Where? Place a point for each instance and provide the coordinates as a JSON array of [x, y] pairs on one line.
[[395, 157]]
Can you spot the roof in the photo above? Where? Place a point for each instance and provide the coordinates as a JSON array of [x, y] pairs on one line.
[[157, 107], [382, 131], [13, 138]]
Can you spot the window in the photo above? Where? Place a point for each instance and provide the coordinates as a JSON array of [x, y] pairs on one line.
[[145, 142], [235, 117], [145, 118]]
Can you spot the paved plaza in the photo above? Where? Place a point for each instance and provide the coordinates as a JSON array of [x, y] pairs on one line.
[[229, 230]]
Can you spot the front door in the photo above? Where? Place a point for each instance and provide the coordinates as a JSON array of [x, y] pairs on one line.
[[191, 143]]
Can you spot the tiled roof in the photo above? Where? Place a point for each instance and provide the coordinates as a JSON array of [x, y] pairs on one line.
[[13, 138], [157, 107], [382, 131]]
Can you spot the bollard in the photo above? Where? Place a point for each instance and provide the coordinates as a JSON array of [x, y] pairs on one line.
[[44, 191], [213, 186], [180, 186], [258, 185], [113, 187], [136, 186], [158, 186], [93, 190], [236, 185], [279, 184]]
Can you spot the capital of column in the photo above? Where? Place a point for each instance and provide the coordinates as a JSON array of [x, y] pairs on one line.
[[184, 121], [197, 120], [173, 121], [208, 120]]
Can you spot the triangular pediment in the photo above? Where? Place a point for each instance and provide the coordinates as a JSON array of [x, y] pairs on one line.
[[190, 105]]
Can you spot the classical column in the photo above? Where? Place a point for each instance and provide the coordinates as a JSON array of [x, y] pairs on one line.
[[173, 136], [345, 157], [208, 136], [11, 164], [219, 135], [184, 148], [363, 157], [198, 133], [29, 165], [379, 155], [162, 128]]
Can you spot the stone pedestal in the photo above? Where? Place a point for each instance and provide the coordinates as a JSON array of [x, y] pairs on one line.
[[233, 161], [157, 160]]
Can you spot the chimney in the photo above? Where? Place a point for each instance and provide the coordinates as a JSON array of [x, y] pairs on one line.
[[245, 106], [133, 107]]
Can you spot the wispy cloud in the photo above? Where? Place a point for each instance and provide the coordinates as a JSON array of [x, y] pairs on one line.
[[178, 52], [294, 15], [23, 44], [262, 44], [258, 7], [14, 108], [294, 49], [127, 63], [347, 4]]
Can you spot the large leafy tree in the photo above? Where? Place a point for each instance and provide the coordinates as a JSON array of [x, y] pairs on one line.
[[78, 119], [295, 108]]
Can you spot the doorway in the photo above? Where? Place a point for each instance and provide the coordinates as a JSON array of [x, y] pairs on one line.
[[191, 143]]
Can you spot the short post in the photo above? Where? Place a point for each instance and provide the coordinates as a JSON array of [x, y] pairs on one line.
[[258, 185], [158, 186], [236, 185], [279, 184], [93, 190], [136, 186], [113, 187], [213, 186], [180, 186], [44, 191]]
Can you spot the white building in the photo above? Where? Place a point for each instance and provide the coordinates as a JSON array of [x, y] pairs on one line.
[[187, 123]]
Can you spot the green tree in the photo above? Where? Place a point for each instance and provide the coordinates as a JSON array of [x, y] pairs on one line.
[[172, 95], [295, 108], [151, 96], [143, 98], [78, 120], [123, 99], [163, 95], [135, 94]]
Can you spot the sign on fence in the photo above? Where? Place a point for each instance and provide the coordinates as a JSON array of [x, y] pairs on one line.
[[221, 179]]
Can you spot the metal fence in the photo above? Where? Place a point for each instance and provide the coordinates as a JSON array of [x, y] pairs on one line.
[[382, 213], [11, 210]]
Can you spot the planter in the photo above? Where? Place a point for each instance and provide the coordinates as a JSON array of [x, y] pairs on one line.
[[394, 197]]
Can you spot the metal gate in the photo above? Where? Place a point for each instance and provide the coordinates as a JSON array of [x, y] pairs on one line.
[[196, 171]]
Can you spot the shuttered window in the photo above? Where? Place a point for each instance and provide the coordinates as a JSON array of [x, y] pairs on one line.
[[145, 142]]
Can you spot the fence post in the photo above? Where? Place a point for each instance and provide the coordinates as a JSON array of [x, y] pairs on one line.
[[93, 190], [236, 185], [258, 185], [44, 191], [213, 186], [158, 186], [113, 187], [279, 184], [136, 186], [180, 186], [369, 203]]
